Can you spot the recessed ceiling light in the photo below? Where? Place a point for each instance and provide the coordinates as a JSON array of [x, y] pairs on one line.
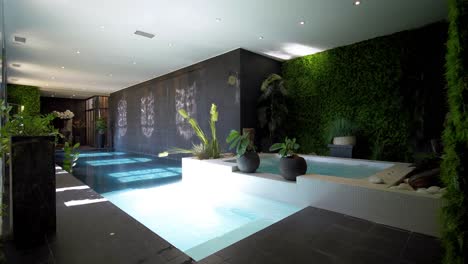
[[170, 44], [302, 23], [73, 95], [63, 67], [53, 95], [78, 52], [134, 63], [261, 37], [356, 3], [102, 27], [218, 19]]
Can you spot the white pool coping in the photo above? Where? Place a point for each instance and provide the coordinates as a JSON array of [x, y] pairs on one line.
[[409, 210]]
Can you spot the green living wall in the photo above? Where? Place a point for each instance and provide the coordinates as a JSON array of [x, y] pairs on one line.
[[455, 161], [392, 87], [28, 96]]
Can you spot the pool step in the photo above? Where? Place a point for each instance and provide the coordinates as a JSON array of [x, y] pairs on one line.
[[214, 245]]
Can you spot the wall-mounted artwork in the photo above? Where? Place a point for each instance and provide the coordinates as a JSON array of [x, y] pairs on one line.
[[147, 115], [122, 118], [185, 99]]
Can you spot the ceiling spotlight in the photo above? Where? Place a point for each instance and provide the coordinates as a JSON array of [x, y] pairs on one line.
[[78, 52], [302, 23], [261, 37], [134, 63], [102, 27], [63, 67], [218, 19], [73, 95], [170, 44], [356, 3]]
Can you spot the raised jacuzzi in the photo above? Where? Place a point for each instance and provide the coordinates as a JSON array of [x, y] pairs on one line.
[[352, 194]]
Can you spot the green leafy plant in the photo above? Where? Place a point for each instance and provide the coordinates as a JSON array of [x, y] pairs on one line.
[[272, 108], [287, 148], [71, 156], [341, 127], [23, 124], [241, 143], [101, 125], [208, 148], [454, 169]]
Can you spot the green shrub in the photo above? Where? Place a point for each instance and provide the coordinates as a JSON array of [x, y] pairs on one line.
[[455, 158]]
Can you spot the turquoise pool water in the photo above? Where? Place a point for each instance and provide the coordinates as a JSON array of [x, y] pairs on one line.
[[345, 170], [197, 220]]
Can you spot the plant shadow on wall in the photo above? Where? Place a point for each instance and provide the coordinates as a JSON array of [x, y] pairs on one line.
[[208, 147], [272, 110]]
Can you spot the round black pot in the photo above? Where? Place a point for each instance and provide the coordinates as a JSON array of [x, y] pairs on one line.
[[291, 167], [248, 162]]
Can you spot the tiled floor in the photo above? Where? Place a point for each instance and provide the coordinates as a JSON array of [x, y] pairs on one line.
[[319, 236], [102, 233]]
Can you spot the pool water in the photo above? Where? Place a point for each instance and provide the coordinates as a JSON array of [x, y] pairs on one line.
[[344, 170], [197, 220]]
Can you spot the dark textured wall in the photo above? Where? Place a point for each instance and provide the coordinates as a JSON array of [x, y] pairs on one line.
[[218, 80], [77, 106]]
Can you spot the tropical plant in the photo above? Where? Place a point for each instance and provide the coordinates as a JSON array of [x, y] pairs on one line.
[[272, 108], [208, 148], [287, 148], [341, 127], [71, 156], [101, 125], [241, 143]]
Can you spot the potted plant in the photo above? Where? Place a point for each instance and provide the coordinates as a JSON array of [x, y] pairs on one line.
[[272, 108], [291, 165], [101, 127], [28, 143], [247, 158], [342, 132]]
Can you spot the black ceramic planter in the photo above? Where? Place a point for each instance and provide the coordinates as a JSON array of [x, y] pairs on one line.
[[100, 140], [32, 179], [291, 167], [248, 162]]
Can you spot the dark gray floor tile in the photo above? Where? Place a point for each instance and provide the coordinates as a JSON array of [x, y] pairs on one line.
[[423, 249]]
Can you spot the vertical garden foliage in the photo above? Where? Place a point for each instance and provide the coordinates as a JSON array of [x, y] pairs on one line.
[[28, 96], [368, 83], [455, 162]]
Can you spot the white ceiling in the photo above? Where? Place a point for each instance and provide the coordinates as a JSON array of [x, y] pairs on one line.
[[112, 58]]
